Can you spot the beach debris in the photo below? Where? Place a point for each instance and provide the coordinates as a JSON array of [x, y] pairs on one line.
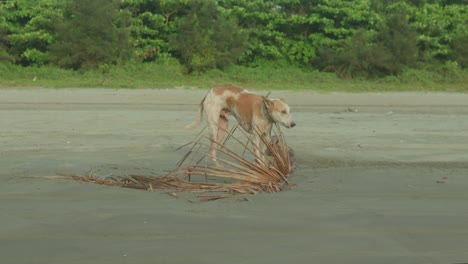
[[275, 141], [239, 170]]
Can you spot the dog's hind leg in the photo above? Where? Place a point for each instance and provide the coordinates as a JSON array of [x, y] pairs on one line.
[[223, 125], [222, 130]]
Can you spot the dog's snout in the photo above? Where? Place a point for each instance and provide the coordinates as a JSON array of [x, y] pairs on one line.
[[293, 124]]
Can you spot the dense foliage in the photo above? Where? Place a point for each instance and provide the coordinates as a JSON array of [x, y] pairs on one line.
[[370, 38]]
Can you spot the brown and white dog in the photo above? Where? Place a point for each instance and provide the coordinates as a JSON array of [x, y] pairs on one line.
[[252, 111]]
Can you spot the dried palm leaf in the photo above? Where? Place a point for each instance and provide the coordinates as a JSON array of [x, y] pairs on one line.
[[241, 171]]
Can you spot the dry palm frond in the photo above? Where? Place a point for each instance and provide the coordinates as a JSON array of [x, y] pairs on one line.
[[242, 171]]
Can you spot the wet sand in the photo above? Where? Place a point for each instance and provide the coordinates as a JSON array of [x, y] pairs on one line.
[[381, 178]]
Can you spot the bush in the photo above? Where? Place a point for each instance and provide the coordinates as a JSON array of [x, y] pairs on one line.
[[399, 40], [357, 58], [394, 49], [93, 34]]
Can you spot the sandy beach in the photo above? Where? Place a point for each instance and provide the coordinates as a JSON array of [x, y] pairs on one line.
[[381, 178]]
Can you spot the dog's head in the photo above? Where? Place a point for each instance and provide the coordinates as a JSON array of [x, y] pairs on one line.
[[279, 111]]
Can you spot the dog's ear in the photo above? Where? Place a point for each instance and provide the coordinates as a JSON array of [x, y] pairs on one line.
[[282, 100], [267, 102]]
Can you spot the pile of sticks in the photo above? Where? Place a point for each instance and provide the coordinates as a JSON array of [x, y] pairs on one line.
[[239, 169]]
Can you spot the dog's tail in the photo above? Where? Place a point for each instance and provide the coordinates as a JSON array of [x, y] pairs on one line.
[[199, 116]]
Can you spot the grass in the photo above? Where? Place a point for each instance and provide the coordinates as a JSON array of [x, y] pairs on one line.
[[168, 74]]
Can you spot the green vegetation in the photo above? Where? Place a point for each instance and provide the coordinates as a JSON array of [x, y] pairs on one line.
[[331, 45], [92, 35]]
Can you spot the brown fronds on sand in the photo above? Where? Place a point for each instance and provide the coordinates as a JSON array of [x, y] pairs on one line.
[[240, 170]]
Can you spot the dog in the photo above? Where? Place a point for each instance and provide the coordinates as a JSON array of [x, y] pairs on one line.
[[256, 114]]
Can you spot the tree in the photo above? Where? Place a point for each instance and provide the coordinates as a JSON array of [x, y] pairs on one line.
[[399, 39], [461, 50], [152, 25], [393, 47], [257, 18], [293, 30], [438, 26], [4, 56], [207, 38], [28, 26], [93, 33]]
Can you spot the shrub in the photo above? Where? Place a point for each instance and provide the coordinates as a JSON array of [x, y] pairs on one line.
[[93, 34], [394, 48]]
